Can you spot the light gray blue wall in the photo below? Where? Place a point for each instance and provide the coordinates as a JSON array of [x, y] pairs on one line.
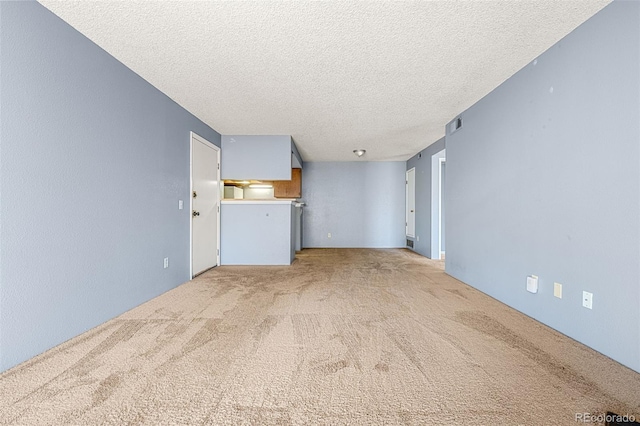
[[256, 157], [544, 178], [422, 163], [360, 203], [94, 161], [256, 234]]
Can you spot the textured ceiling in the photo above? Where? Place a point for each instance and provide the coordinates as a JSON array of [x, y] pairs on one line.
[[383, 76]]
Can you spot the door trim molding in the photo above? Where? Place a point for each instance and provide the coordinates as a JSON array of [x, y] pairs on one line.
[[440, 201], [193, 137]]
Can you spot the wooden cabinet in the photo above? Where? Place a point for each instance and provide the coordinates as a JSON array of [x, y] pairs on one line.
[[289, 188]]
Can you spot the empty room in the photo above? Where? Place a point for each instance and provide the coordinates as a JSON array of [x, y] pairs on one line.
[[247, 212]]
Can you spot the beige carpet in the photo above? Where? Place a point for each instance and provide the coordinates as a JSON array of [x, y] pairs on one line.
[[341, 337]]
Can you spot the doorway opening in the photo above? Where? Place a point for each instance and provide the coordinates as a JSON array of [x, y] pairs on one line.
[[441, 215], [438, 202]]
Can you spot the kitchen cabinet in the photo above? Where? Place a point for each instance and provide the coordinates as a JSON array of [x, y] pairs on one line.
[[255, 157], [289, 188]]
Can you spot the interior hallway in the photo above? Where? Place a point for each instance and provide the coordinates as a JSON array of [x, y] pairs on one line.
[[360, 336]]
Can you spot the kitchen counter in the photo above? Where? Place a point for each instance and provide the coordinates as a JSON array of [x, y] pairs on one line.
[[252, 201], [257, 232]]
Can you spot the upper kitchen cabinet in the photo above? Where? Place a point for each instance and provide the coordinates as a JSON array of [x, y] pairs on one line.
[[289, 188], [296, 159], [249, 157]]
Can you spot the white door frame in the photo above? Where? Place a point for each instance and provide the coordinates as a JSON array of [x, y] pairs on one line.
[[436, 199], [194, 136], [441, 162]]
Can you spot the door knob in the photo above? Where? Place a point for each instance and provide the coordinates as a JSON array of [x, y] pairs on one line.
[[195, 194], [195, 213], [411, 211]]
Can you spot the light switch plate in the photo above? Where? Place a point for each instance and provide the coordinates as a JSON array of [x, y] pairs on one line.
[[532, 283], [557, 290]]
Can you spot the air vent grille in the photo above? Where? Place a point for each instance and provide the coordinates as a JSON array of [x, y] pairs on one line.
[[455, 125]]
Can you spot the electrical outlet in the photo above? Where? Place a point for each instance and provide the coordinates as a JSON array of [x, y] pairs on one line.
[[166, 262], [180, 205], [587, 300], [557, 290], [329, 235]]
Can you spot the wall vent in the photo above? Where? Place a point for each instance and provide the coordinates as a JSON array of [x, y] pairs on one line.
[[455, 125], [410, 243]]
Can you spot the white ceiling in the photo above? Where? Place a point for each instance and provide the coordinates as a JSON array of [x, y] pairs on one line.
[[383, 76]]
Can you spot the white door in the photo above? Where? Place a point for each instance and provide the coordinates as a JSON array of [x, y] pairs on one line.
[[411, 202], [205, 205]]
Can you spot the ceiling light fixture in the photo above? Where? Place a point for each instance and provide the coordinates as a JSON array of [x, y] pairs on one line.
[[359, 152]]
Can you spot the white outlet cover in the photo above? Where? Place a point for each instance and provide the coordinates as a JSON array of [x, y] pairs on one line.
[[587, 300], [180, 205], [557, 290], [532, 284], [166, 262]]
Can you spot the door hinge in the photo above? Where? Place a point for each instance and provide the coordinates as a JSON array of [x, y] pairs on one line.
[[218, 252], [218, 209], [218, 166]]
